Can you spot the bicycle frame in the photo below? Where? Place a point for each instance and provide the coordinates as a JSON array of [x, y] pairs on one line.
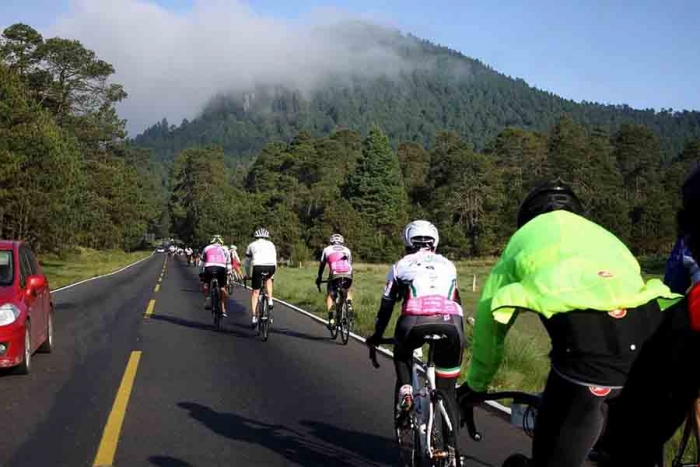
[[423, 392]]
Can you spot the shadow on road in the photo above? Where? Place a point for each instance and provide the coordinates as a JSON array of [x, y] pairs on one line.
[[167, 461], [344, 448], [200, 325]]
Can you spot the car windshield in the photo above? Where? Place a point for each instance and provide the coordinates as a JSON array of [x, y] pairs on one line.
[[7, 272]]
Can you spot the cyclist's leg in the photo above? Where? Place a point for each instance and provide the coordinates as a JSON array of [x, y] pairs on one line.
[[269, 285], [256, 283], [569, 422], [405, 341], [448, 362]]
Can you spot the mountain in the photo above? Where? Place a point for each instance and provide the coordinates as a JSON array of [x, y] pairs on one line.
[[436, 89]]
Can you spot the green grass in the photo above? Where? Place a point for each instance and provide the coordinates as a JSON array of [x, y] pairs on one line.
[[85, 263], [525, 365]]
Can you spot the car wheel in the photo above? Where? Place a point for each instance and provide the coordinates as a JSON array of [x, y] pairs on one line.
[[47, 346], [24, 367]]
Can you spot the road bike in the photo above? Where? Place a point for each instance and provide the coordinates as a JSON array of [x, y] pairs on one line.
[[263, 311], [428, 437], [344, 321], [215, 296]]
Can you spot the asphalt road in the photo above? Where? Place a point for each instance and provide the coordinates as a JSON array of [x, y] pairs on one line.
[[201, 397]]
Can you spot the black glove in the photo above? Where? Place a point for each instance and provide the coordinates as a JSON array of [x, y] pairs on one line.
[[373, 340], [467, 398], [318, 283]]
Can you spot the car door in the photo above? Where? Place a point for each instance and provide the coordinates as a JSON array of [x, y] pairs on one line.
[[44, 295], [36, 314]]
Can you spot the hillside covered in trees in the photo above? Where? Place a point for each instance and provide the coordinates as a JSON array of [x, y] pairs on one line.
[[438, 89]]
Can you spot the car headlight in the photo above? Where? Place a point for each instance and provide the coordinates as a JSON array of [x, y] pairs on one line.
[[8, 314]]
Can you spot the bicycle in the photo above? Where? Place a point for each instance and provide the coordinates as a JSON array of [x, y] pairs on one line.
[[263, 311], [344, 321], [230, 282], [214, 294], [429, 437]]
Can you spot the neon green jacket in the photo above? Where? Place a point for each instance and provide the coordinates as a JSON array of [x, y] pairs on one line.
[[556, 263]]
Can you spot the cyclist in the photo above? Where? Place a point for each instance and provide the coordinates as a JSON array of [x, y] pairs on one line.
[[587, 288], [339, 260], [235, 260], [214, 263], [426, 282], [664, 381], [261, 258], [188, 254]]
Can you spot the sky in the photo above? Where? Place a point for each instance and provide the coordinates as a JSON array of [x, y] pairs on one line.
[[639, 52]]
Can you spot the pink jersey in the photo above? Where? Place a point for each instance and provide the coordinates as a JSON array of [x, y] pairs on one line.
[[215, 255], [339, 259], [431, 283]]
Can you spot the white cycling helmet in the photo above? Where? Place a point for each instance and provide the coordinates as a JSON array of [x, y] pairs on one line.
[[234, 247], [420, 234], [217, 239], [261, 233], [336, 239]]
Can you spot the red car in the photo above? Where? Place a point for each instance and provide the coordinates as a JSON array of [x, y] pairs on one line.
[[26, 309]]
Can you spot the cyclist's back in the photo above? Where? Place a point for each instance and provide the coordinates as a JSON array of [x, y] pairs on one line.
[[261, 264], [426, 283]]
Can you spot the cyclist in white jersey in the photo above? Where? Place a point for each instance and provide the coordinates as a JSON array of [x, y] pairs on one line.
[[261, 258], [427, 284], [215, 262], [339, 260]]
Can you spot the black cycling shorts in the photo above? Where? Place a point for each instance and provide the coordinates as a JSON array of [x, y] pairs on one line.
[[336, 283], [258, 272], [214, 271]]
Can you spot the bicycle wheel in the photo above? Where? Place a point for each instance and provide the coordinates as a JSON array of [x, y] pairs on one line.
[[216, 305], [259, 312], [344, 324], [334, 329], [408, 441], [265, 323], [229, 284], [444, 441]]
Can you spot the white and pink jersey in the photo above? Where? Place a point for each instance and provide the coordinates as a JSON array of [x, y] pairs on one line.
[[215, 255], [338, 258], [427, 282]]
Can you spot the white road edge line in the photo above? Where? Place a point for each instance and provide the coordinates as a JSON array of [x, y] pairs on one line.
[[382, 350], [103, 275]]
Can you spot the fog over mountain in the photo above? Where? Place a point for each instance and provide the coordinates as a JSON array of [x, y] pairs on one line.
[[172, 62]]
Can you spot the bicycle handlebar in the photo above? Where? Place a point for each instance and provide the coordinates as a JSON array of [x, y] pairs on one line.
[[518, 397]]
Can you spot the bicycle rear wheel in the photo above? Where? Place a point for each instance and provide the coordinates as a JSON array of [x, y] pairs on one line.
[[344, 324], [259, 313], [216, 305], [334, 328], [408, 440], [444, 441], [265, 322], [229, 284]]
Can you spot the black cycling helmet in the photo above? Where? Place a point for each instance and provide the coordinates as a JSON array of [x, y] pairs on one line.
[[546, 197]]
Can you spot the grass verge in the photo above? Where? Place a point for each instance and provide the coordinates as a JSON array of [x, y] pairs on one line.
[[84, 263]]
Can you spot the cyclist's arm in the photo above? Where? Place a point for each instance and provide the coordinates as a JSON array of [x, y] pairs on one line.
[[248, 260], [386, 308], [321, 266], [489, 335]]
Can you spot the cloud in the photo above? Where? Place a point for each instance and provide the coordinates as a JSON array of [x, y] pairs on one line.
[[172, 62]]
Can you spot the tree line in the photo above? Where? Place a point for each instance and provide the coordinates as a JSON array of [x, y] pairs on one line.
[[362, 188], [67, 176]]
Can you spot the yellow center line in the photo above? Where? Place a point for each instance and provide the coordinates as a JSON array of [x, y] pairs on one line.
[[149, 308], [157, 288], [110, 435]]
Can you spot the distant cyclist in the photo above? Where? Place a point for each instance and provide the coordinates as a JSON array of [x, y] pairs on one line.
[[427, 284], [235, 260], [188, 254], [261, 258], [215, 260], [339, 260], [664, 381], [588, 291]]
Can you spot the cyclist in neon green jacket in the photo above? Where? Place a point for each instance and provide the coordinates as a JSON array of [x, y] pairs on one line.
[[587, 288]]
